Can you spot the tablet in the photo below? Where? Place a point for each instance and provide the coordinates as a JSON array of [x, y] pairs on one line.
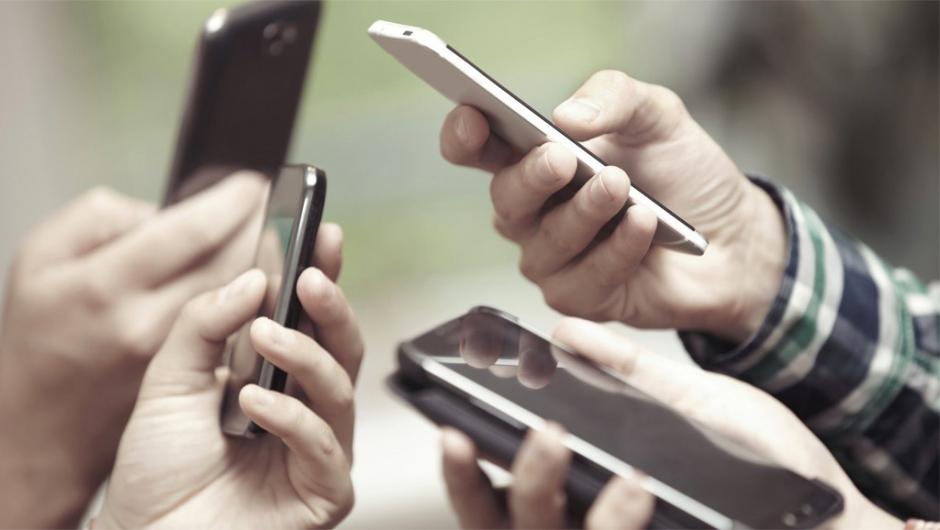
[[494, 379]]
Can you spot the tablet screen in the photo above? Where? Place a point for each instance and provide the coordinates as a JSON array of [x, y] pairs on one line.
[[612, 417]]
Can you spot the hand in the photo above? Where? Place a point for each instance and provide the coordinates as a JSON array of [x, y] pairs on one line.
[[175, 467], [536, 498], [645, 131], [91, 296], [729, 407]]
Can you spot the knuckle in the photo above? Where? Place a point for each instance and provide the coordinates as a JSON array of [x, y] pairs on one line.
[[344, 396], [500, 226], [99, 198], [327, 444], [530, 268], [502, 206], [99, 292], [135, 337], [613, 78], [669, 110], [348, 503], [668, 99], [557, 299], [192, 310]]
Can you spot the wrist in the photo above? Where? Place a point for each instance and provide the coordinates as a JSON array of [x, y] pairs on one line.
[[36, 495], [762, 257], [42, 481]]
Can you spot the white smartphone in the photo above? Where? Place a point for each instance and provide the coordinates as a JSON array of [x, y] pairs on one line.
[[445, 69]]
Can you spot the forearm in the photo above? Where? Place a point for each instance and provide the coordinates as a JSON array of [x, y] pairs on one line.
[[839, 345], [38, 489], [31, 498], [41, 485]]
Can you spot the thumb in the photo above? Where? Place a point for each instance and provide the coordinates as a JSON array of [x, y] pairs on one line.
[[727, 406], [666, 380], [197, 339], [612, 102]]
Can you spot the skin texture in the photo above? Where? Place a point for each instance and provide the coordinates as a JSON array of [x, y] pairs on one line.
[[91, 296], [739, 411], [643, 131], [175, 468]]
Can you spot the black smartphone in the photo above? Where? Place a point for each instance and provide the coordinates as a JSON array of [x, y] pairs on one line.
[[494, 379], [245, 88], [285, 249]]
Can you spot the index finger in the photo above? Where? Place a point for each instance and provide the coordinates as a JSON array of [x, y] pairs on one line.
[[181, 235], [622, 504], [84, 224], [469, 489], [466, 141], [537, 498], [664, 379], [337, 329]]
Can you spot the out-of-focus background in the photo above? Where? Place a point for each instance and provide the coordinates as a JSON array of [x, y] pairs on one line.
[[837, 100]]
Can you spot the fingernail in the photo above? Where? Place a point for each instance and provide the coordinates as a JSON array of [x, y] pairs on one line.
[[258, 395], [462, 130], [320, 286], [276, 333], [599, 192], [580, 109], [236, 286], [547, 169]]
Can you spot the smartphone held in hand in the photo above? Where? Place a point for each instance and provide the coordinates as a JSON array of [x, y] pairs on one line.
[[285, 249]]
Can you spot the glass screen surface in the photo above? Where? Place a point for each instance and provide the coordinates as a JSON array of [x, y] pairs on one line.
[[274, 245], [603, 410]]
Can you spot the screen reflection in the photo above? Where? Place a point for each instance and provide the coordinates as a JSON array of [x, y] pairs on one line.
[[245, 365], [605, 415]]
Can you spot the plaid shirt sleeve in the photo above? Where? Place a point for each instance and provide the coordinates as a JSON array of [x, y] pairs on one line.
[[852, 346]]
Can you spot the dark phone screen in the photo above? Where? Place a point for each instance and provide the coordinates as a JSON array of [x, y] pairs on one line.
[[603, 410], [274, 245], [248, 79]]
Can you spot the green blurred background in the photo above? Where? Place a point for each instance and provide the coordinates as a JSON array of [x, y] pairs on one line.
[[837, 100]]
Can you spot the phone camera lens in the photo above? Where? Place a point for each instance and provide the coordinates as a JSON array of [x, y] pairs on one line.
[[277, 36], [289, 34], [271, 31]]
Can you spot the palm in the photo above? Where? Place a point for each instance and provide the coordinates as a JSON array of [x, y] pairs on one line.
[[176, 473]]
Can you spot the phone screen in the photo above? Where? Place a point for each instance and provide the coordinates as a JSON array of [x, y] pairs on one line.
[[274, 248], [600, 408]]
